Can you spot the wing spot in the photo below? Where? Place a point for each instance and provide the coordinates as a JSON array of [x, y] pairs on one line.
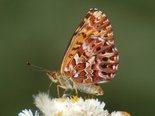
[[83, 34], [76, 75], [104, 65], [104, 73], [105, 59], [100, 39], [98, 48]]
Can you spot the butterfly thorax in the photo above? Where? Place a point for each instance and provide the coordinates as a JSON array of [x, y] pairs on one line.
[[60, 79]]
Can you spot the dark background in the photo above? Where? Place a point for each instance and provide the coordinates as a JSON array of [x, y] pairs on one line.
[[39, 31]]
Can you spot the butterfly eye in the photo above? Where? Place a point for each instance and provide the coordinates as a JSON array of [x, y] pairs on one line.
[[52, 76]]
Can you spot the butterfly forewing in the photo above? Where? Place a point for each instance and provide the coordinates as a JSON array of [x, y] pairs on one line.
[[91, 56]]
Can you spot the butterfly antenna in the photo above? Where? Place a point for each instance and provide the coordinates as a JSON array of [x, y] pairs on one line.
[[38, 68]]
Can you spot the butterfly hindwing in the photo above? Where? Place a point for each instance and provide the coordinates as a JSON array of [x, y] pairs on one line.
[[91, 56]]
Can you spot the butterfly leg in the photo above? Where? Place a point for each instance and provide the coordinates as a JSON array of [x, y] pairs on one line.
[[76, 92], [58, 91], [74, 86], [49, 87]]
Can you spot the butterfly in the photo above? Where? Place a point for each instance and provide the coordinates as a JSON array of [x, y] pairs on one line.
[[91, 57]]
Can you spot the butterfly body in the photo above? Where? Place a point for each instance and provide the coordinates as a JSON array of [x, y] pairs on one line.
[[69, 84], [91, 57]]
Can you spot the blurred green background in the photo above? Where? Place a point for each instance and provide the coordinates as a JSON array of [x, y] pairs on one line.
[[39, 31]]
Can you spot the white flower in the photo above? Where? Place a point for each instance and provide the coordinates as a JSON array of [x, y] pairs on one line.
[[28, 113], [120, 113], [70, 106], [73, 106]]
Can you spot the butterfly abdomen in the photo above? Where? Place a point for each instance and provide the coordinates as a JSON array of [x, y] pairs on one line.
[[89, 88]]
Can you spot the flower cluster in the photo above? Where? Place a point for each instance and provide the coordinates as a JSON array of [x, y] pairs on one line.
[[72, 106]]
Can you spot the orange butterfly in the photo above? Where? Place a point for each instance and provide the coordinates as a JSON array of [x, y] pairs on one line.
[[91, 57]]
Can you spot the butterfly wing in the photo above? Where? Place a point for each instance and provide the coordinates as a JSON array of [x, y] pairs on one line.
[[91, 56]]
